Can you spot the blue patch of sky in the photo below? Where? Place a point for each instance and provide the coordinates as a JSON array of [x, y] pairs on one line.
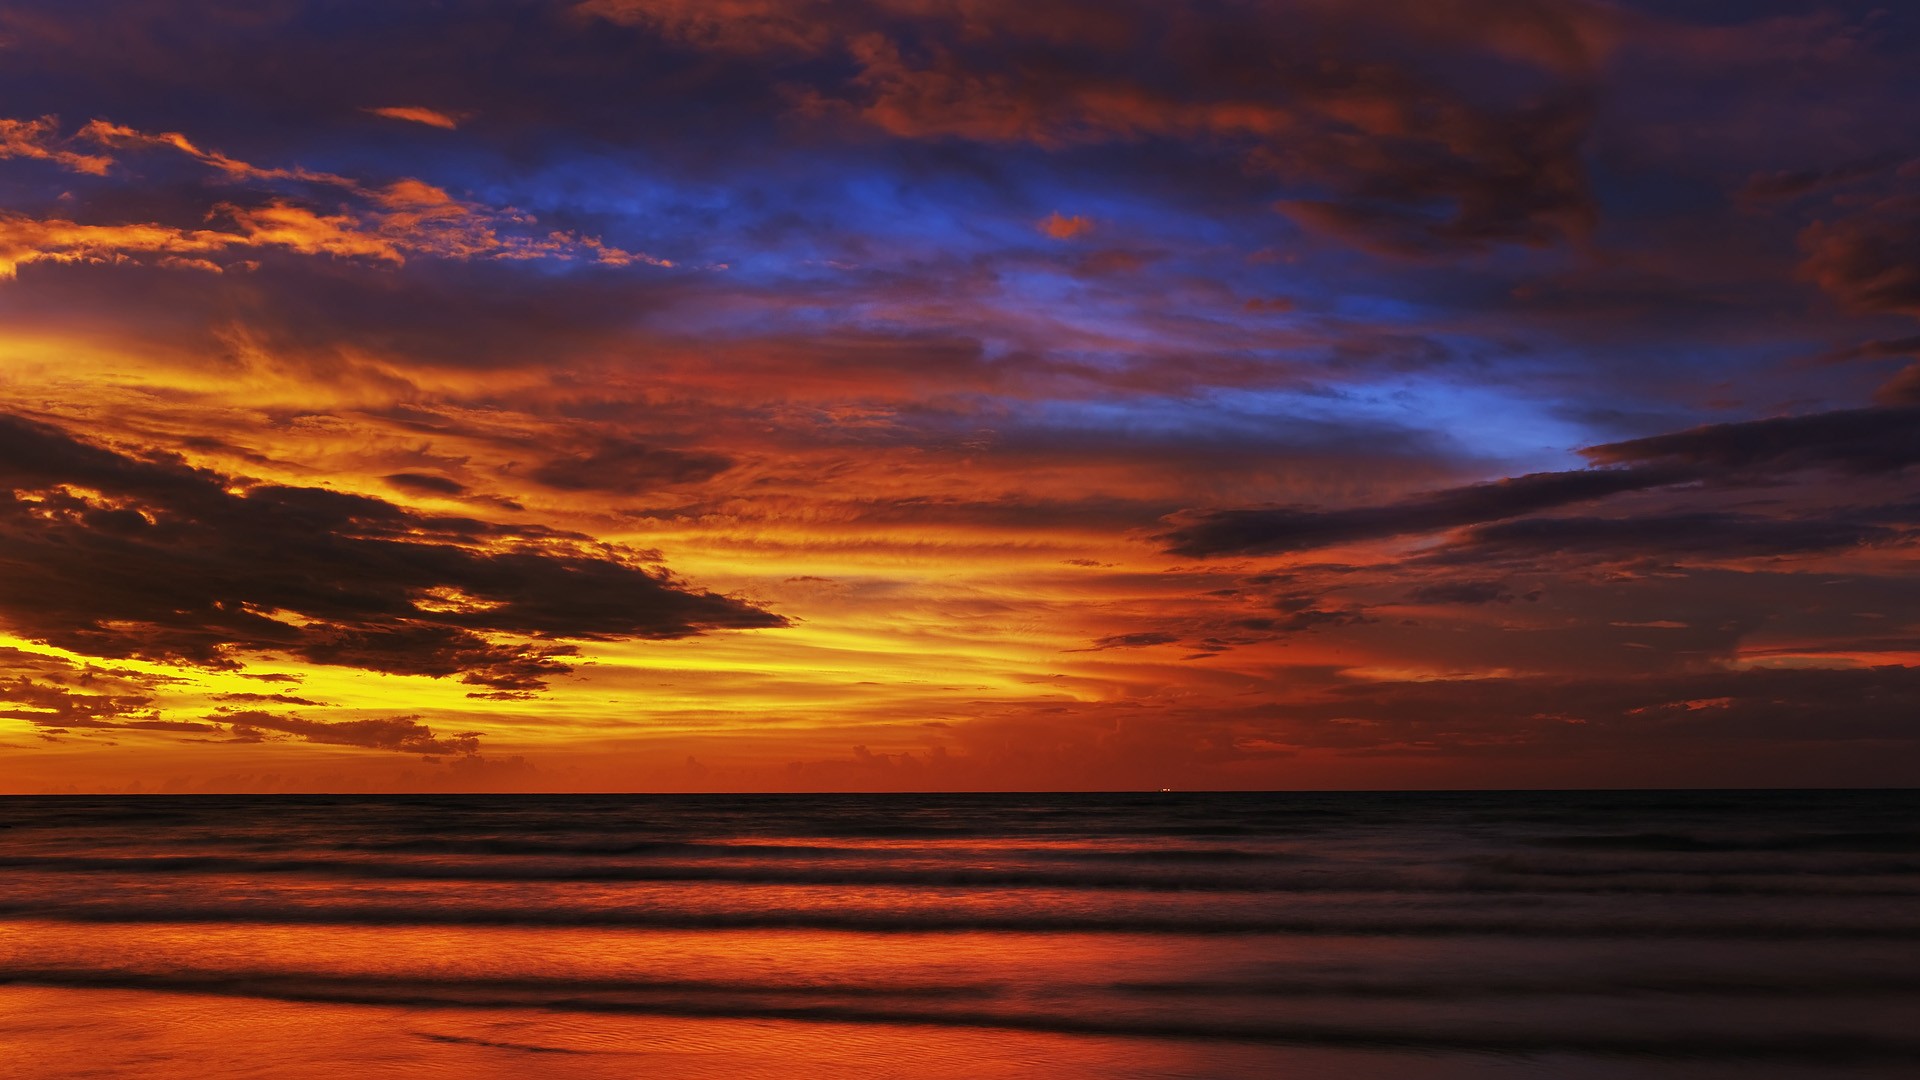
[[1489, 423]]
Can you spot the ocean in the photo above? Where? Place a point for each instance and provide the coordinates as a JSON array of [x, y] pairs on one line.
[[1352, 935]]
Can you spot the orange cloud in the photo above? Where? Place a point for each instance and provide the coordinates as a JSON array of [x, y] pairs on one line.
[[120, 136], [1065, 228], [385, 223], [24, 240], [418, 115], [36, 139], [276, 225], [734, 25]]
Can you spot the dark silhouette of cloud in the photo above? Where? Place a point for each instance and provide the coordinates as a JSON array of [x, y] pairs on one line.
[[403, 734], [1259, 532], [1854, 441], [1696, 535], [1857, 440], [425, 484], [1462, 592], [278, 699], [625, 465], [1723, 708], [1132, 641], [51, 692], [1869, 260], [49, 705], [1903, 389], [122, 556]]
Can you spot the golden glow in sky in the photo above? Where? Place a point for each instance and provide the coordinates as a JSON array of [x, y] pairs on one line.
[[881, 395]]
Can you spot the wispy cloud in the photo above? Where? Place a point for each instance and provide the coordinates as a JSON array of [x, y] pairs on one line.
[[418, 115]]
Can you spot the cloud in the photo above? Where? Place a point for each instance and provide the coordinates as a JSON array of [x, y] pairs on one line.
[[419, 115], [1379, 124], [1859, 441], [1874, 350], [1785, 184], [733, 25], [256, 698], [1132, 641], [1248, 532], [1489, 178], [117, 136], [1903, 389], [1065, 228], [46, 704], [425, 484], [1718, 710], [1661, 536], [26, 240], [1868, 440], [443, 229], [1462, 592], [1869, 260], [125, 556], [628, 466], [386, 223], [51, 692], [401, 734], [1396, 155], [40, 139], [970, 413]]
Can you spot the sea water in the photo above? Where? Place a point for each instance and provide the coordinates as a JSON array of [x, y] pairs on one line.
[[1584, 934]]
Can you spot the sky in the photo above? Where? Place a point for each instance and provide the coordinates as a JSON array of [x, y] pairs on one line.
[[635, 395]]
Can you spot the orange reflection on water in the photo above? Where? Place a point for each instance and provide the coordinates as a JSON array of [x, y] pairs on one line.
[[62, 1033], [221, 1001]]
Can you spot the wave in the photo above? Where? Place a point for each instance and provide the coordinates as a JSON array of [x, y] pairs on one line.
[[529, 986], [770, 873], [1389, 923], [1491, 876], [1904, 843], [1774, 1046], [1745, 984], [1442, 988], [496, 1044]]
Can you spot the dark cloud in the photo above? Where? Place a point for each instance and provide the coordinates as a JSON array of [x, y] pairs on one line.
[[1780, 184], [403, 734], [1295, 621], [1014, 512], [256, 698], [1870, 260], [1464, 592], [1873, 350], [117, 555], [46, 704], [1645, 714], [51, 692], [628, 466], [1901, 390], [1133, 641], [425, 484], [1402, 131], [1256, 532], [1857, 441], [1660, 536], [178, 726], [1487, 178]]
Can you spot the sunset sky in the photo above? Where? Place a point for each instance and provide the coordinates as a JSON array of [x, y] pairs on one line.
[[969, 394]]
